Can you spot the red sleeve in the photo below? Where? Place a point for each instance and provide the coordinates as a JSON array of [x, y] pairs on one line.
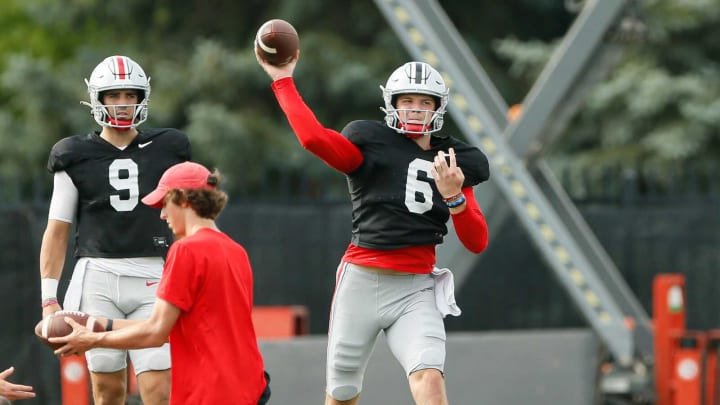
[[470, 225], [329, 145], [179, 282]]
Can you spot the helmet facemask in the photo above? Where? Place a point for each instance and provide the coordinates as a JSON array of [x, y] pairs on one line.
[[116, 73], [415, 78]]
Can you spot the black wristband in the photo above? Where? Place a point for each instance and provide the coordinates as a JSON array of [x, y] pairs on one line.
[[108, 325]]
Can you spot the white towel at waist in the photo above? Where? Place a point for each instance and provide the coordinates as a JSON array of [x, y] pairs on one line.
[[445, 292], [74, 290]]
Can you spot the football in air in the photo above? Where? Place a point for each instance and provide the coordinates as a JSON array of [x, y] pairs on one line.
[[277, 42], [54, 325]]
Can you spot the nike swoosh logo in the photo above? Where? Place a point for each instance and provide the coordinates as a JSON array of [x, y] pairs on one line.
[[151, 283], [142, 145]]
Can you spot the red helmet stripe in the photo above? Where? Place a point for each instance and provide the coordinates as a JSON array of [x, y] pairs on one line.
[[122, 68]]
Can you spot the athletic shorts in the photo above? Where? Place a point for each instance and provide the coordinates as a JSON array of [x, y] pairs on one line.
[[121, 297], [365, 303]]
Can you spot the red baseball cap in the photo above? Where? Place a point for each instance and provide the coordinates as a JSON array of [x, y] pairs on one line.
[[186, 175]]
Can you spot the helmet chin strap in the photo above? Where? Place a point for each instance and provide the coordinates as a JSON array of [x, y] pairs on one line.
[[120, 125]]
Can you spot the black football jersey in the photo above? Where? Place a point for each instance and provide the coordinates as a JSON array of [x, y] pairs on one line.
[[111, 221], [395, 203]]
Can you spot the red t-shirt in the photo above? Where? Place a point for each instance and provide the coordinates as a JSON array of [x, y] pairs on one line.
[[214, 351]]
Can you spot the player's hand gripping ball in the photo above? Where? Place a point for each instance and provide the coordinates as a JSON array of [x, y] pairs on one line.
[[54, 325], [277, 42]]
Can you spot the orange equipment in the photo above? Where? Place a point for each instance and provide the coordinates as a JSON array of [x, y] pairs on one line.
[[668, 322]]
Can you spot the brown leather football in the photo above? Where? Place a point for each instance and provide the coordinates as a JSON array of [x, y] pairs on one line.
[[277, 41], [54, 325]]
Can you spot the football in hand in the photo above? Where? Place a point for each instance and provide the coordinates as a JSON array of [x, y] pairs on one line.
[[54, 325], [277, 42]]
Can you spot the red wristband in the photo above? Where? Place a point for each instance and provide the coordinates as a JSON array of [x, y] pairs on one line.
[[49, 301], [453, 198]]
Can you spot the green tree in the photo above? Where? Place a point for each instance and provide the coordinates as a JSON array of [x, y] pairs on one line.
[[656, 112], [204, 76], [205, 79]]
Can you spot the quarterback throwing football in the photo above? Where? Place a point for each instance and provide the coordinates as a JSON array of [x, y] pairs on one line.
[[405, 181]]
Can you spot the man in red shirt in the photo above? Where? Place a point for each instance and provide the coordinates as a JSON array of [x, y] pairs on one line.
[[204, 304]]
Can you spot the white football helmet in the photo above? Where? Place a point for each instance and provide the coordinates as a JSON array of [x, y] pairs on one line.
[[118, 72], [415, 78]]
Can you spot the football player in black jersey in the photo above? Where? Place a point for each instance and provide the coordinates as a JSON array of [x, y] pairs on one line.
[[120, 243], [406, 180]]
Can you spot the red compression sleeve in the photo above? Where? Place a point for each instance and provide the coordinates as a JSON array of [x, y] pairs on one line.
[[470, 225], [329, 145]]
